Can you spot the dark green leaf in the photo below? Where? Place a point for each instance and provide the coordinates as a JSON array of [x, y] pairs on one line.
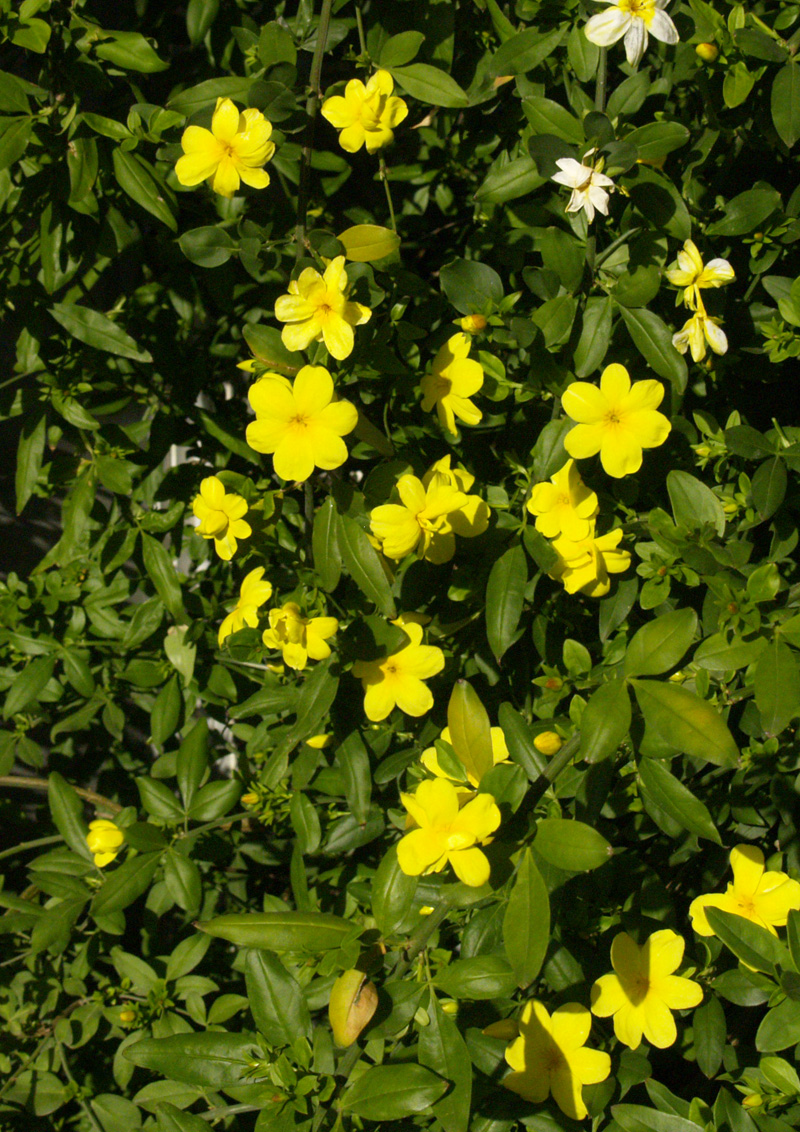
[[676, 800], [571, 845], [362, 563], [505, 596], [442, 1049], [526, 924], [605, 722], [125, 884], [777, 685], [685, 722], [280, 931], [276, 1000], [660, 644], [96, 330], [392, 1092], [211, 1060]]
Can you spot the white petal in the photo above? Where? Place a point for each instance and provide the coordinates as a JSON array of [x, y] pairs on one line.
[[723, 271], [635, 41], [572, 172], [601, 180], [599, 198], [662, 27], [588, 204], [715, 336], [607, 27]]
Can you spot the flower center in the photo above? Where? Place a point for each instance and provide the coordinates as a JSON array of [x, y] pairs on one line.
[[553, 1059], [300, 420], [747, 906], [586, 184], [613, 418], [215, 524], [563, 501]]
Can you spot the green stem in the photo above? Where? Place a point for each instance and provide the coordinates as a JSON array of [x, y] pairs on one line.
[[384, 176], [420, 937], [362, 39], [19, 783], [227, 820], [312, 107], [620, 240], [601, 81], [24, 845]]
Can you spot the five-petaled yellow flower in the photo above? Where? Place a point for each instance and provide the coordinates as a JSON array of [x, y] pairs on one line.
[[764, 898], [550, 1057], [446, 833], [221, 516], [617, 420], [299, 638], [105, 841], [301, 424], [564, 505], [253, 593], [317, 309], [644, 991], [500, 754], [696, 332], [397, 680], [233, 150], [693, 275], [453, 379], [366, 114], [585, 565]]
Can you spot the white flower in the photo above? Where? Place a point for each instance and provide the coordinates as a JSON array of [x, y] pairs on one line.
[[694, 334], [635, 20], [587, 183]]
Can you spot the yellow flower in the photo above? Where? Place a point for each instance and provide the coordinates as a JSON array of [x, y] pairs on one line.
[[319, 742], [447, 833], [644, 990], [300, 424], [430, 760], [317, 309], [472, 323], [221, 516], [548, 743], [454, 377], [585, 565], [253, 593], [549, 1057], [299, 637], [764, 898], [397, 680], [698, 330], [105, 841], [617, 420], [233, 150], [366, 113], [693, 275], [564, 505], [430, 514]]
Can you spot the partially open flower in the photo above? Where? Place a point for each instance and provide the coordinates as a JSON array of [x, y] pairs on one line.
[[453, 379], [366, 115], [632, 20], [564, 505], [221, 516], [299, 638], [696, 332], [253, 593], [105, 841], [589, 186]]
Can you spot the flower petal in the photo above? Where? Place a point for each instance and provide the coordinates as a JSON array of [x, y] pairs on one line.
[[294, 457], [471, 866], [418, 850], [747, 862], [585, 440], [662, 28], [570, 1025], [607, 27], [724, 900], [608, 996], [677, 992], [412, 696], [590, 1066], [621, 452], [225, 121], [338, 336], [635, 41], [566, 1090], [584, 403], [193, 168], [659, 1025], [662, 953]]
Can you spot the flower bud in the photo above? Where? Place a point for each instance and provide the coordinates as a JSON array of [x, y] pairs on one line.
[[755, 1100], [548, 743], [127, 1016], [708, 52], [249, 799], [352, 1003], [105, 841], [472, 323]]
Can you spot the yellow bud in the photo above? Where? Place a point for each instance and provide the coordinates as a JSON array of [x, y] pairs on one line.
[[127, 1015], [472, 323], [352, 1003], [755, 1100], [250, 799], [703, 450], [104, 840], [319, 741], [450, 1007], [548, 743], [426, 910], [707, 52]]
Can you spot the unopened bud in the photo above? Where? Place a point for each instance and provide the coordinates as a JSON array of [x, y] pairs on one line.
[[548, 743], [708, 52], [127, 1016]]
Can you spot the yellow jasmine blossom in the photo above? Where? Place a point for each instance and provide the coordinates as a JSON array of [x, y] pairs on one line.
[[253, 593], [764, 898], [693, 275], [105, 841], [698, 330], [564, 505], [301, 424], [634, 20], [548, 743], [299, 637], [366, 114], [617, 420], [221, 516], [472, 323], [549, 1057], [453, 379], [447, 833], [644, 991], [317, 309], [472, 517], [233, 150], [585, 565], [430, 759], [397, 680]]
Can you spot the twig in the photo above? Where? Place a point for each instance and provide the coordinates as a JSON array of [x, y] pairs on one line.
[[20, 783], [312, 107]]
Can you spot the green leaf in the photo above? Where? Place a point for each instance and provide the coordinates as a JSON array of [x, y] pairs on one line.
[[268, 347], [429, 84], [130, 50], [66, 810], [526, 924], [660, 644], [136, 178], [200, 15], [571, 845], [182, 881], [746, 212], [14, 141], [96, 330], [479, 977], [605, 722], [172, 1119], [709, 1032], [780, 1074], [653, 339], [30, 453], [195, 98], [211, 1060], [548, 117], [400, 49], [676, 800], [325, 545], [685, 722], [470, 733], [519, 739], [658, 200], [780, 1027], [555, 318], [392, 893], [310, 932], [28, 684], [364, 243], [125, 884], [749, 942], [759, 45], [693, 504], [583, 55], [191, 763], [442, 1049], [505, 597], [276, 1000], [768, 487], [717, 654], [209, 246], [525, 51], [641, 1118], [392, 1092], [737, 84], [657, 139], [362, 563], [471, 287], [313, 704], [509, 180], [595, 336], [353, 762], [785, 103], [777, 687], [158, 565]]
